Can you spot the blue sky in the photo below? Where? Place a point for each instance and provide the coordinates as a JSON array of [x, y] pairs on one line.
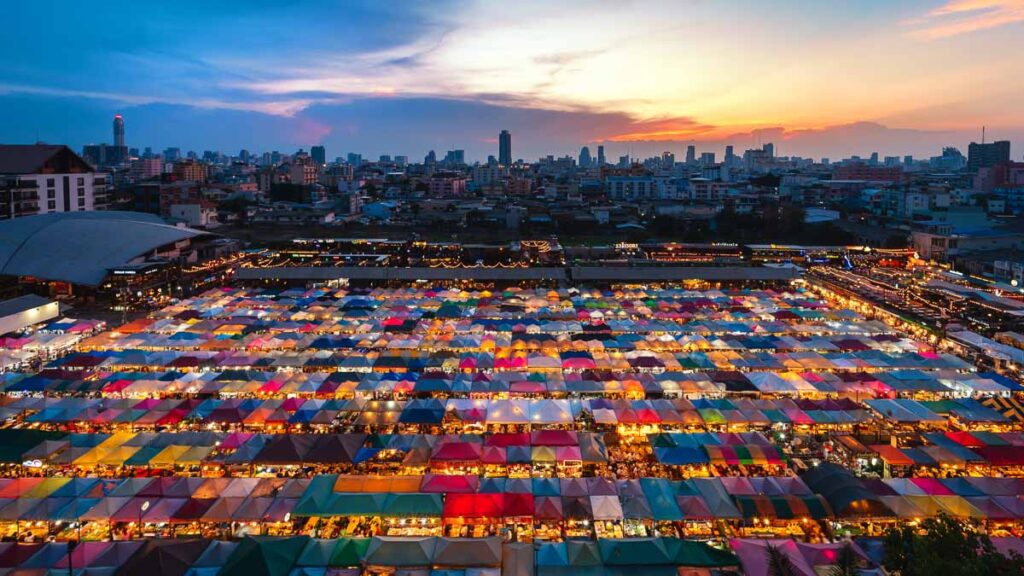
[[821, 78]]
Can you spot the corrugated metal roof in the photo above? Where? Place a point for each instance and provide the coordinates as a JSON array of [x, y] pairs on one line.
[[21, 304], [80, 247]]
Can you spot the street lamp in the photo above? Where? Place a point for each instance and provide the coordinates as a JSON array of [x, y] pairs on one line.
[[142, 510]]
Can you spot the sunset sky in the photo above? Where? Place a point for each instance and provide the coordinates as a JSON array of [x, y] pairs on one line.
[[818, 78]]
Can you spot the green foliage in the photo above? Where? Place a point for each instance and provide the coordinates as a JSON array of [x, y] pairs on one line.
[[779, 563], [846, 562], [944, 545]]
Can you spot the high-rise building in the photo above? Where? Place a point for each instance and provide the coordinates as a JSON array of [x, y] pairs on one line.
[[354, 159], [691, 155], [668, 159], [505, 148], [319, 155], [430, 158], [118, 131], [585, 159], [456, 157], [707, 158], [600, 156], [769, 150], [729, 153], [987, 155]]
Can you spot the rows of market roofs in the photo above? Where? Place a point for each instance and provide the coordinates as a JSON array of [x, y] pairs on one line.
[[691, 423]]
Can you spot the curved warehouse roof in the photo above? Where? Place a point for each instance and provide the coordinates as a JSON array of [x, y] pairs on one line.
[[80, 247]]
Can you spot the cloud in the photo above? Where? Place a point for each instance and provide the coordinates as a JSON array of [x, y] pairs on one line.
[[661, 130], [965, 16]]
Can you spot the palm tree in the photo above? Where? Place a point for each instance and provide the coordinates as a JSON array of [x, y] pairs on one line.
[[846, 562], [779, 563]]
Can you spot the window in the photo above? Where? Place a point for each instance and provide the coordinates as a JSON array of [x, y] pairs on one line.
[[51, 182], [51, 205], [51, 193], [81, 202], [81, 181], [81, 192]]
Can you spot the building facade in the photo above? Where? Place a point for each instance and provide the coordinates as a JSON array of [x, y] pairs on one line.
[[40, 179]]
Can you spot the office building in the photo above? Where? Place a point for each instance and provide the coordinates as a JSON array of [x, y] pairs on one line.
[[691, 155], [987, 155], [600, 156], [319, 155], [505, 148]]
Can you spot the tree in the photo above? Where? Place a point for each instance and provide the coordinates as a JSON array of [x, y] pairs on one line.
[[779, 563], [846, 562], [943, 545]]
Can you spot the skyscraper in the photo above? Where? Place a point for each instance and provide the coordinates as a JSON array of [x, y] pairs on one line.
[[505, 148], [118, 131], [769, 150], [691, 155], [319, 155], [728, 153], [600, 156], [585, 159], [987, 155]]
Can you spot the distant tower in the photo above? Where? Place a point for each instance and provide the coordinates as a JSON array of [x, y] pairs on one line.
[[319, 155], [691, 155], [600, 155], [585, 157], [505, 148], [118, 131]]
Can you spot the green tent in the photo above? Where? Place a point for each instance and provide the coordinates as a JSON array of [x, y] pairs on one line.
[[317, 497], [699, 554], [355, 504], [413, 505], [14, 443], [318, 552], [264, 556], [349, 552], [635, 552]]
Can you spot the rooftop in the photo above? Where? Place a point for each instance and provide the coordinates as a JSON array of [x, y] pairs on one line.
[[81, 247]]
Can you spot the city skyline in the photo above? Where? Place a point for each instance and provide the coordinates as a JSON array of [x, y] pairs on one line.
[[405, 79]]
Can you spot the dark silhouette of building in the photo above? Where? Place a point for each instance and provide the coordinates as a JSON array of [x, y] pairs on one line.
[[319, 155], [987, 155], [505, 148]]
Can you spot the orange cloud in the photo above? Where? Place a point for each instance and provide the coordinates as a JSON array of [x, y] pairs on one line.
[[664, 129], [965, 16]]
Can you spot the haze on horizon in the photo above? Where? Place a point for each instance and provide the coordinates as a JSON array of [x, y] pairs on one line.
[[817, 78]]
